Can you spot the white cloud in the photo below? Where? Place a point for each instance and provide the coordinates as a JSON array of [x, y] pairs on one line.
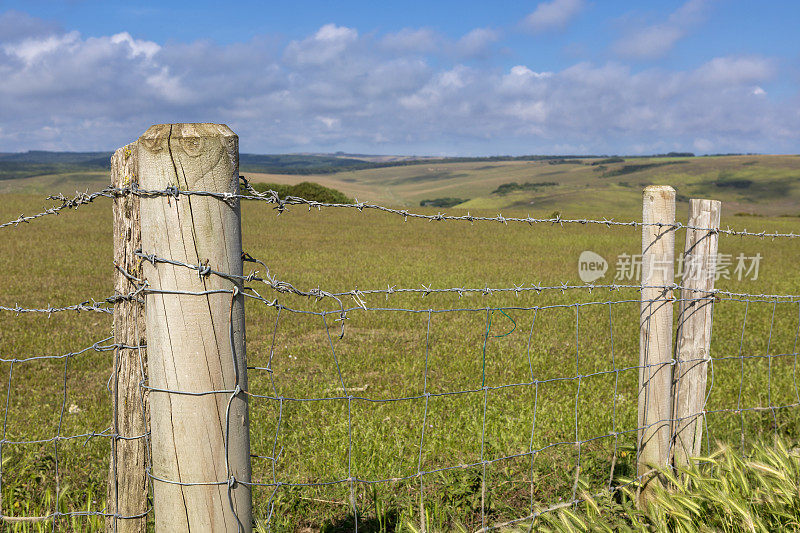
[[378, 93], [420, 40], [16, 26], [444, 85], [169, 87], [656, 40], [33, 49], [555, 14], [477, 42], [533, 111], [735, 70], [330, 122], [145, 48], [328, 44], [521, 80], [523, 72], [650, 42]]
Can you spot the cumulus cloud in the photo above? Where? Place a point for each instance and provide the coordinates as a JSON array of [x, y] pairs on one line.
[[339, 90], [419, 40], [476, 43], [328, 44], [656, 40], [30, 50], [521, 80], [736, 70], [555, 14], [136, 48], [441, 90], [15, 25]]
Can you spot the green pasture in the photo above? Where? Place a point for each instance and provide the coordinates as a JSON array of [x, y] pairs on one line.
[[760, 184], [766, 185], [506, 373]]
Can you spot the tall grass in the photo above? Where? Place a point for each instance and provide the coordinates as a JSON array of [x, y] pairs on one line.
[[382, 355], [724, 492]]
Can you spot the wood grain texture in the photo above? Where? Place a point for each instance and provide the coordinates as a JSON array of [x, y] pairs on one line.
[[127, 483], [693, 344], [655, 334], [190, 338]]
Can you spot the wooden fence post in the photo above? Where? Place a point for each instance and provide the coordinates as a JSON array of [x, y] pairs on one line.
[[655, 333], [196, 342], [694, 329], [127, 480]]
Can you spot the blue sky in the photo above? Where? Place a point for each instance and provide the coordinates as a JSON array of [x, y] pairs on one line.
[[445, 77]]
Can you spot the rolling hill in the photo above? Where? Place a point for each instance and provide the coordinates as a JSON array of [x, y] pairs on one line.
[[757, 185], [574, 186]]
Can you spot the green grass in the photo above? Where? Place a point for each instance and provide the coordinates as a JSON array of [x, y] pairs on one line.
[[382, 355], [579, 186], [611, 188], [46, 184], [725, 492]]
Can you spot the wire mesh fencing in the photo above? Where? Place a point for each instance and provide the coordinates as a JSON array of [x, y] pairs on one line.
[[477, 409], [429, 406]]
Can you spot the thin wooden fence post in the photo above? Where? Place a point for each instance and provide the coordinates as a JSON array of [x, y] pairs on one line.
[[195, 330], [655, 333], [127, 480], [693, 345]]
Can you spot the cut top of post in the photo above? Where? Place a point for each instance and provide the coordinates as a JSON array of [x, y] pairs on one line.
[[658, 215], [205, 148], [655, 193], [187, 130]]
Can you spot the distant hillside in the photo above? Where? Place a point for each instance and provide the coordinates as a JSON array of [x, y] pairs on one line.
[[38, 163], [97, 159], [306, 164], [755, 184], [604, 185], [300, 164]]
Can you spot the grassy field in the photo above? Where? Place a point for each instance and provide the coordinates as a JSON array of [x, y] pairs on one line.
[[46, 184], [763, 185], [760, 185], [446, 346]]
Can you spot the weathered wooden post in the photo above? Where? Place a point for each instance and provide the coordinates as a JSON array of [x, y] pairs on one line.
[[195, 330], [127, 480], [694, 329], [655, 333]]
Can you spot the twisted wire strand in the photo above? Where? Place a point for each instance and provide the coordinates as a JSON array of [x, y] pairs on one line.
[[281, 205], [577, 440]]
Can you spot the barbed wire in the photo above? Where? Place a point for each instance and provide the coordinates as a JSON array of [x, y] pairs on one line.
[[577, 441], [281, 204], [360, 294], [577, 377], [204, 270], [103, 345], [349, 396], [104, 306], [80, 198], [426, 290], [88, 305]]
